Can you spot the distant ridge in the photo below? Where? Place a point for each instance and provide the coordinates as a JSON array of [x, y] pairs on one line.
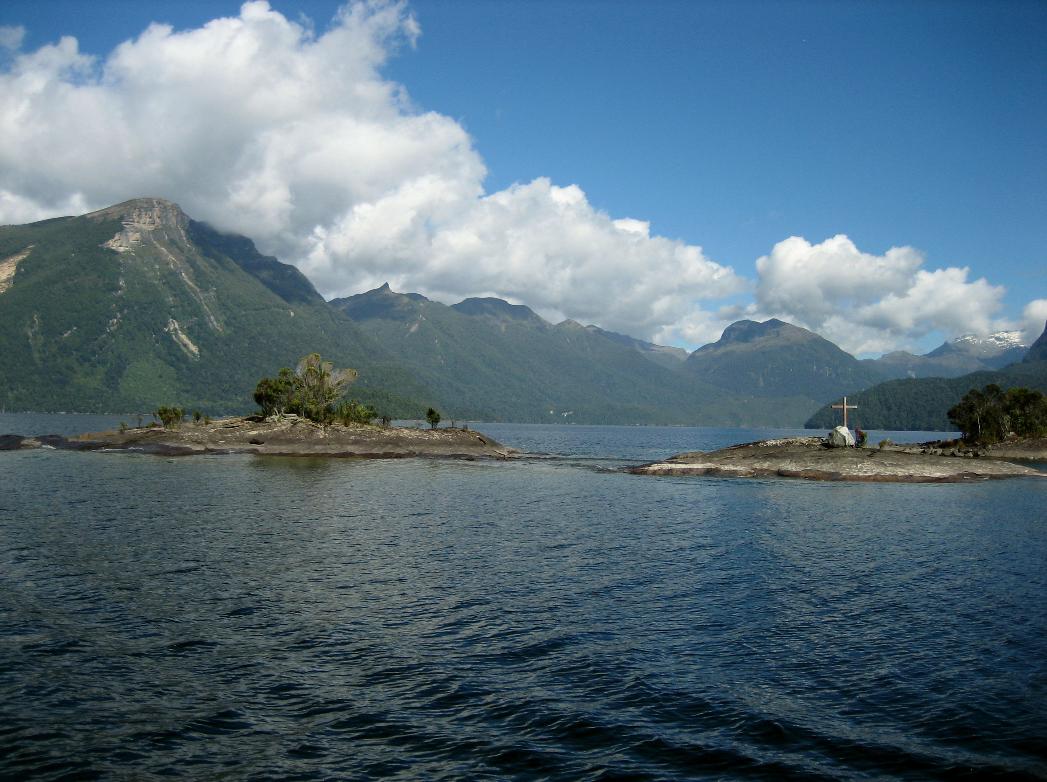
[[497, 309], [487, 358], [669, 357]]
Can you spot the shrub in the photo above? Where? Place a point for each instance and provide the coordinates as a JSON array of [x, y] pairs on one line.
[[276, 395], [170, 417], [353, 412], [311, 390], [886, 442], [433, 417]]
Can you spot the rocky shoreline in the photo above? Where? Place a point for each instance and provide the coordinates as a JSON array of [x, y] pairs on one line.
[[283, 436], [810, 459]]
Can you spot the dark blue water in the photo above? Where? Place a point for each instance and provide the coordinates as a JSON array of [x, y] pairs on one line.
[[247, 618]]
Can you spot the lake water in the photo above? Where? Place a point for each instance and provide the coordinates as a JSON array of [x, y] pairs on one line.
[[236, 617]]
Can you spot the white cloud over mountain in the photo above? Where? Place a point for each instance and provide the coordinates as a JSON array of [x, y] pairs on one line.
[[258, 125], [871, 303]]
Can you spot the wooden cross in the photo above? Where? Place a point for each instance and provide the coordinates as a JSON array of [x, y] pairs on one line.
[[845, 407]]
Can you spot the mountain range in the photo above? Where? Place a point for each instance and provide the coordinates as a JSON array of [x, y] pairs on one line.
[[138, 305]]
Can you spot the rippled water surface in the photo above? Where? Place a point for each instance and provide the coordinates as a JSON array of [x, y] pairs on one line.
[[260, 618]]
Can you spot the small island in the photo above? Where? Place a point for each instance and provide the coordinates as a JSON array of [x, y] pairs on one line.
[[996, 426], [811, 458], [301, 415], [283, 435]]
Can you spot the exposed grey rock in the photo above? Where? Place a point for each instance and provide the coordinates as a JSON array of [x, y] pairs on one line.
[[840, 437]]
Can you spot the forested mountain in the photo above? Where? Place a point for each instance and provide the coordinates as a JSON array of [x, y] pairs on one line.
[[776, 359], [137, 305], [663, 355], [923, 403], [489, 359]]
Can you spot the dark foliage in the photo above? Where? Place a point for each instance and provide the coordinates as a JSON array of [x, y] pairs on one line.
[[991, 414], [923, 404], [170, 417], [311, 391]]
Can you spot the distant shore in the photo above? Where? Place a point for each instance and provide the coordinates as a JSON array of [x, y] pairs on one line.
[[808, 458], [282, 436]]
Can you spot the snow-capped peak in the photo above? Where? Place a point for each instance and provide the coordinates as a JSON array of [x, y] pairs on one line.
[[1001, 340]]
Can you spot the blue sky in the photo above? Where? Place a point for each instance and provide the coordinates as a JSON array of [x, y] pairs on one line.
[[725, 126]]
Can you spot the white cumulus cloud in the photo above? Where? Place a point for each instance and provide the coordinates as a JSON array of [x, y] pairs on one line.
[[871, 303], [259, 125], [1034, 318]]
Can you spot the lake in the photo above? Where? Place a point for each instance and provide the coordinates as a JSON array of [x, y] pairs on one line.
[[240, 617]]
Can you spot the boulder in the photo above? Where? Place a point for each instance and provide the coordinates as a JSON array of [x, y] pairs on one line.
[[840, 437]]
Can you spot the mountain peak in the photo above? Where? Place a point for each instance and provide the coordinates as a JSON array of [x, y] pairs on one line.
[[499, 309], [381, 302], [144, 212], [998, 344], [744, 331], [775, 358], [141, 217]]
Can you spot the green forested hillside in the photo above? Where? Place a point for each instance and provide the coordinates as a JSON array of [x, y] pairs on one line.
[[487, 359], [922, 404], [135, 306], [776, 359]]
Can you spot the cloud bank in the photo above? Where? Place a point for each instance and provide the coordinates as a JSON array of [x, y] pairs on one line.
[[261, 126]]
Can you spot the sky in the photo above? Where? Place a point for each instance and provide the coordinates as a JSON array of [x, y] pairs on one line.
[[873, 171]]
